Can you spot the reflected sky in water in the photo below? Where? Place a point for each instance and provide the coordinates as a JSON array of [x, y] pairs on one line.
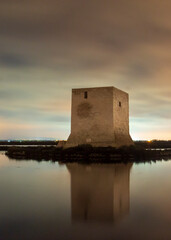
[[44, 200]]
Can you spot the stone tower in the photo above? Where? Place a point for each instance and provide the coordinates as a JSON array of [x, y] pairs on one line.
[[100, 117]]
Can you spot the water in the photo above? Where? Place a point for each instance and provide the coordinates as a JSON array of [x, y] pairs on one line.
[[44, 200]]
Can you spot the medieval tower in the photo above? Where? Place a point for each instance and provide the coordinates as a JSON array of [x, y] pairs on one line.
[[100, 117]]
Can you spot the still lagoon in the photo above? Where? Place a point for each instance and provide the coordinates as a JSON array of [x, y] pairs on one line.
[[48, 200]]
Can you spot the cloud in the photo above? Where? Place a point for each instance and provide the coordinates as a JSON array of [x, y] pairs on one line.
[[10, 60], [48, 47], [33, 115]]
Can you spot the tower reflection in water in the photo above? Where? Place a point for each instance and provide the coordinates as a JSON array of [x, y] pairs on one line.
[[99, 192]]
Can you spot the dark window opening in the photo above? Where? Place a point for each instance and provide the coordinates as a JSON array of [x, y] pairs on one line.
[[85, 95], [120, 104]]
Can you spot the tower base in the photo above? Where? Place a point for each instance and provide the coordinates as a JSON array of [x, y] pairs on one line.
[[117, 141]]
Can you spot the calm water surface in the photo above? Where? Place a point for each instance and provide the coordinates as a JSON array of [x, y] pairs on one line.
[[44, 200]]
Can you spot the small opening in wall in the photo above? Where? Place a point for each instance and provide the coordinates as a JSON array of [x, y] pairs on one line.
[[85, 95], [120, 104]]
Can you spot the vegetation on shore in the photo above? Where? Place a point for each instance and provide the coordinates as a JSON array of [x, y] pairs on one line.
[[88, 154], [153, 144]]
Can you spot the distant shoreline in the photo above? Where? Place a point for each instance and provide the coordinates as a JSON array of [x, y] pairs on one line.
[[153, 144]]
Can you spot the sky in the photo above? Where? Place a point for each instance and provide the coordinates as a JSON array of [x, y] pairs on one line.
[[48, 47]]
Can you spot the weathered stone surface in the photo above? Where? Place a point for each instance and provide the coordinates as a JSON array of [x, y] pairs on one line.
[[100, 117]]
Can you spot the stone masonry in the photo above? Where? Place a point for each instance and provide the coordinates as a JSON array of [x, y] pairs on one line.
[[100, 117]]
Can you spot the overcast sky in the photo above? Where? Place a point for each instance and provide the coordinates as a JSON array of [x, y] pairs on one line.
[[48, 47]]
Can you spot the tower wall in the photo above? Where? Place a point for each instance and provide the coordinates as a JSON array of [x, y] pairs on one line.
[[121, 118]]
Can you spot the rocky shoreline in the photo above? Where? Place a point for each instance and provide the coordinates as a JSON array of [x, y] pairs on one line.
[[88, 154]]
